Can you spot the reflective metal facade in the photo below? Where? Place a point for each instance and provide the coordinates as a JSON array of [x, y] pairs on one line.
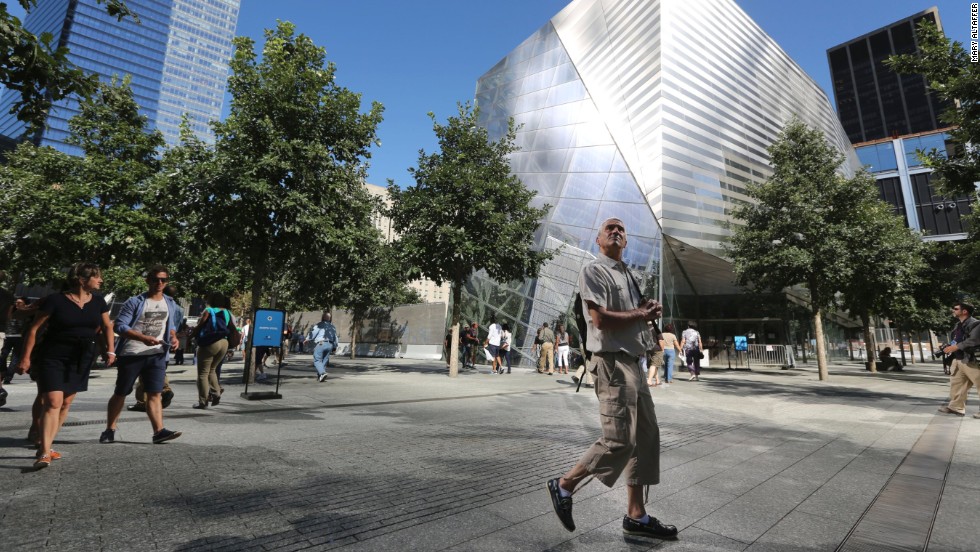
[[657, 112], [177, 57]]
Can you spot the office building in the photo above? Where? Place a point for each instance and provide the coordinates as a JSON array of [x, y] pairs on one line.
[[873, 101], [891, 117], [177, 57], [658, 112]]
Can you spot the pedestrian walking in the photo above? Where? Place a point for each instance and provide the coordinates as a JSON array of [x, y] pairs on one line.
[[147, 328], [617, 335], [963, 346], [214, 328], [505, 340], [672, 348], [324, 336], [692, 350], [493, 345], [547, 360], [562, 345], [64, 361]]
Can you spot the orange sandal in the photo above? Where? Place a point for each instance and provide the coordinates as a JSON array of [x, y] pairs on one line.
[[42, 462]]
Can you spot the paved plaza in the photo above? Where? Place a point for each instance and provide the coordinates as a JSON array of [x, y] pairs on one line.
[[391, 454]]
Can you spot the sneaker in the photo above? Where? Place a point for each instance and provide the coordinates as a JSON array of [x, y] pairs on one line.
[[574, 379], [947, 410], [200, 406], [3, 396], [322, 378], [165, 435], [166, 398], [977, 415], [562, 504], [652, 528], [138, 407], [108, 436], [215, 399]]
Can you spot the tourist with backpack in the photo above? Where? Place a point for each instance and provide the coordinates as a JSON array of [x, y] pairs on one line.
[[215, 333]]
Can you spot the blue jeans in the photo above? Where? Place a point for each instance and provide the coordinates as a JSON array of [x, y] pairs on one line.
[[321, 357], [669, 357]]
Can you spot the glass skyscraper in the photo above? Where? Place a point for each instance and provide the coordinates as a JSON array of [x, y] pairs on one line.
[[177, 57], [658, 112]]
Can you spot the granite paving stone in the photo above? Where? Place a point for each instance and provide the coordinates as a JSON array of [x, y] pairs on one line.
[[391, 454]]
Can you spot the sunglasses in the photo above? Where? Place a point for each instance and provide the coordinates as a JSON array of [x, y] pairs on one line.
[[160, 280]]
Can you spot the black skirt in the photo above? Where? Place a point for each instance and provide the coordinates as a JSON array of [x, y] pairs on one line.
[[64, 365]]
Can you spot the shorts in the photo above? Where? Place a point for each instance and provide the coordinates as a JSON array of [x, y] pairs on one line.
[[153, 369], [494, 350]]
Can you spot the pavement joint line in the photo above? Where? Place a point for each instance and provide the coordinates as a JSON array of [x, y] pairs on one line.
[[934, 425]]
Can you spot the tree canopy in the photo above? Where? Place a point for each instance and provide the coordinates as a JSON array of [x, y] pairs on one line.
[[466, 211], [59, 209], [279, 197], [805, 224]]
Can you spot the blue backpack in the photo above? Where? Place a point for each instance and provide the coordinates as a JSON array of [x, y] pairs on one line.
[[216, 329]]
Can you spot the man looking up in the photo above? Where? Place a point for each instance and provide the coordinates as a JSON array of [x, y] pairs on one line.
[[617, 335], [147, 328], [324, 334]]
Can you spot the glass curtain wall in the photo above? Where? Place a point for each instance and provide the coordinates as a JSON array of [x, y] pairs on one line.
[[570, 159]]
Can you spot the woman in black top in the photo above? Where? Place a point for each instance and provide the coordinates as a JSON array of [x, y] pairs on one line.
[[65, 360]]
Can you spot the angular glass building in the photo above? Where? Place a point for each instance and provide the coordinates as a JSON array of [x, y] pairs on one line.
[[658, 112], [177, 57]]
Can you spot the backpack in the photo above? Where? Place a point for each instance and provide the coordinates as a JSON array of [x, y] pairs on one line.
[[216, 328]]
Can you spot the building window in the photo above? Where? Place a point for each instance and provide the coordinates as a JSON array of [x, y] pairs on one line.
[[938, 215]]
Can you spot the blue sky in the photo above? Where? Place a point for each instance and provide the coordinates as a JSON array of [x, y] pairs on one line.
[[420, 56], [416, 57]]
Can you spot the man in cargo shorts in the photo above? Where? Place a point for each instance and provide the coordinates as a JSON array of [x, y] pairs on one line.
[[617, 335]]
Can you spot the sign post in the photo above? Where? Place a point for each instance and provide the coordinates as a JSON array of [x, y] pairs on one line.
[[266, 331], [742, 345]]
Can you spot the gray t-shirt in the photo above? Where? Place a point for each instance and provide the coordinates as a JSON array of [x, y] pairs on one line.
[[606, 283], [153, 322]]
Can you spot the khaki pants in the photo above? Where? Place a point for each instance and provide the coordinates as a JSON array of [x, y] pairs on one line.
[[630, 438], [140, 393], [965, 375], [208, 359], [583, 373], [547, 357]]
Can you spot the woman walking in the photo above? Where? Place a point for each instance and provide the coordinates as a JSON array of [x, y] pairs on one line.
[[562, 346], [505, 338], [692, 350], [65, 360], [671, 349], [213, 329]]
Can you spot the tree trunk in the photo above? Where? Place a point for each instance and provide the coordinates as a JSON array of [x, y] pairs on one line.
[[454, 361], [869, 342], [901, 345], [248, 374], [821, 346], [355, 325]]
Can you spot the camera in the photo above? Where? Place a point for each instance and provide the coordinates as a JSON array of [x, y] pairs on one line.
[[940, 353]]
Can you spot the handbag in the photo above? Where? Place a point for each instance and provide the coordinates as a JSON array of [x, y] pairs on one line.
[[701, 355], [234, 337]]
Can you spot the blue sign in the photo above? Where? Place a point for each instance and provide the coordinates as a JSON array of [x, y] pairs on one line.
[[267, 330], [741, 343]]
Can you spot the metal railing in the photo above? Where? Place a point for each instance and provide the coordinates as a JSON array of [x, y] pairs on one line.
[[763, 356]]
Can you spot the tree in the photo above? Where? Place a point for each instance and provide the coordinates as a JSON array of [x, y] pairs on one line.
[[39, 71], [382, 284], [59, 209], [893, 258], [283, 189], [805, 220], [950, 74], [467, 212]]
